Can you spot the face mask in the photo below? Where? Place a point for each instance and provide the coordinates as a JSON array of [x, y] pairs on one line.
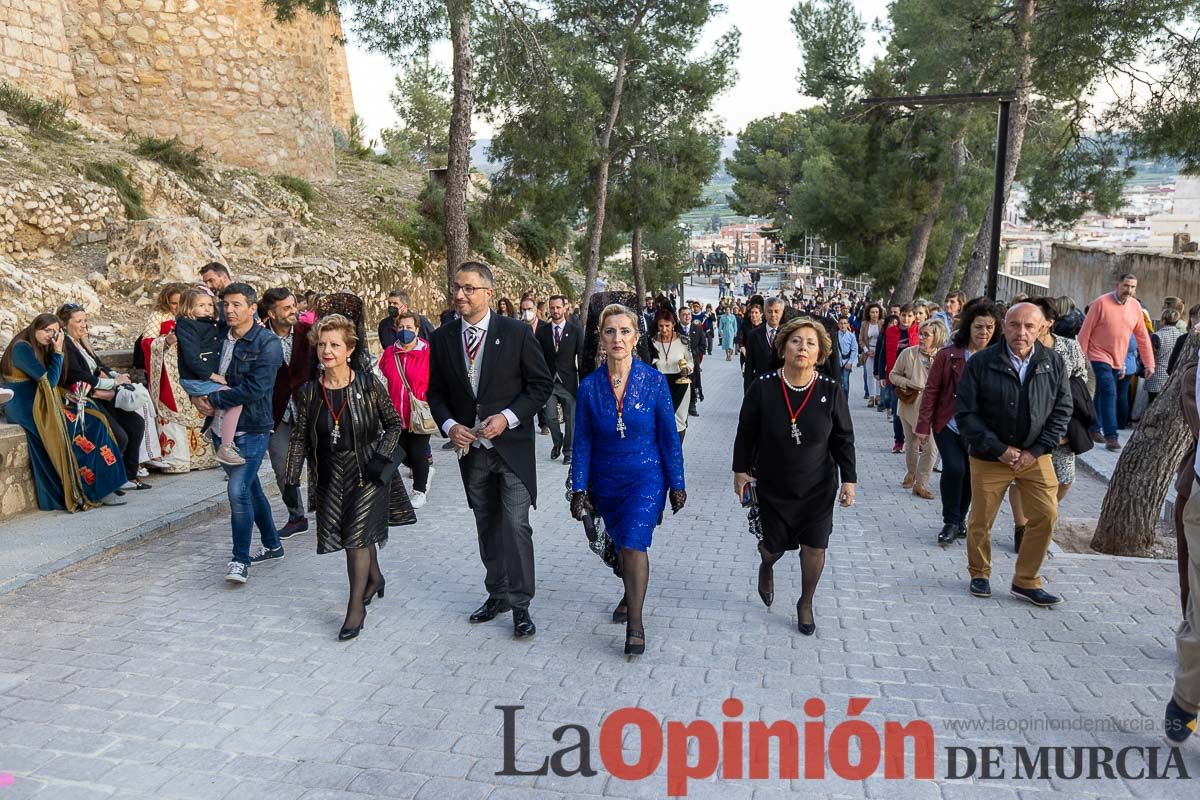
[[393, 312], [406, 336], [527, 314]]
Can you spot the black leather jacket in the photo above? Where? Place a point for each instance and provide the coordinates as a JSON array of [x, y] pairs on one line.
[[995, 411], [376, 425]]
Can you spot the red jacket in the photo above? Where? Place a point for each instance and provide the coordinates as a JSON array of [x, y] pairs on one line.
[[891, 345], [937, 404], [415, 363]]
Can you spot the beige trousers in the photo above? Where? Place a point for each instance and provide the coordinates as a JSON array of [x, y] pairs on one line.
[[1038, 489], [919, 465]]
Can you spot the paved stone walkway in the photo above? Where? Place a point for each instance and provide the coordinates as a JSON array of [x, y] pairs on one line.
[[145, 676]]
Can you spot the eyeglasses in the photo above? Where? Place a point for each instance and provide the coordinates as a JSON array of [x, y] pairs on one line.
[[470, 290]]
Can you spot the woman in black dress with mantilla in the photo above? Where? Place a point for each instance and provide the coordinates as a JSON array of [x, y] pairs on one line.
[[794, 436], [348, 431]]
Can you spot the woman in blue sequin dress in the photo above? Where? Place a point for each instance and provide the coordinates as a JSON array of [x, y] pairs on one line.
[[628, 458]]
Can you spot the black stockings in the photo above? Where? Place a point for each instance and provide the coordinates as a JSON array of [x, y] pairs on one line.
[[635, 571], [766, 582], [375, 577], [358, 568], [812, 563]]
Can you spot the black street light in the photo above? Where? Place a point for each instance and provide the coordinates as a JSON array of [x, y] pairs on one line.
[[1004, 99]]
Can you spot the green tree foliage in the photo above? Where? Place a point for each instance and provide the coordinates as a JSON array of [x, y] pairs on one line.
[[599, 95], [422, 100], [666, 254], [831, 37]]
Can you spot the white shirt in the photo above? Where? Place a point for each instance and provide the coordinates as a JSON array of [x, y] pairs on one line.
[[482, 327], [1021, 366]]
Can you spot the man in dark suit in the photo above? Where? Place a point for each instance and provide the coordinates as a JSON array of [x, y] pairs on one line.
[[487, 381], [760, 343], [562, 342], [697, 340], [282, 319]]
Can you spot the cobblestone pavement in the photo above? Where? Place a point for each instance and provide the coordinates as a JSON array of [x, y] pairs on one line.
[[145, 676]]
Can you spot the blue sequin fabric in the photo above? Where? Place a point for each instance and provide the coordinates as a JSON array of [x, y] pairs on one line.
[[628, 477]]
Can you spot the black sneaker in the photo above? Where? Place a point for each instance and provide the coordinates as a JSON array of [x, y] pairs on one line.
[[263, 554], [1039, 597], [238, 572], [948, 534], [1177, 723], [294, 527], [962, 531], [981, 587]]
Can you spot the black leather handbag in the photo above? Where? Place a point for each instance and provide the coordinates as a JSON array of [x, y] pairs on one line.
[[1083, 417]]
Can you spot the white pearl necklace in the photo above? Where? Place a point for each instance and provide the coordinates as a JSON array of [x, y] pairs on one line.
[[798, 389]]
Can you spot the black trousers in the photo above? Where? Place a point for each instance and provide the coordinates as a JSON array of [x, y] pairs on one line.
[[128, 428], [416, 449], [956, 477], [501, 505]]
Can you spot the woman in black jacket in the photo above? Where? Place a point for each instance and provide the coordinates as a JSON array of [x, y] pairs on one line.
[[82, 367], [348, 431]]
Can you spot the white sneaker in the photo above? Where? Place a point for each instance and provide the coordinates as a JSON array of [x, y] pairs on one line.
[[238, 572], [143, 472], [228, 455], [113, 499], [418, 499]]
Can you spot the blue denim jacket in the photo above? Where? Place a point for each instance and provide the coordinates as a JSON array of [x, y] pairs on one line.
[[251, 379]]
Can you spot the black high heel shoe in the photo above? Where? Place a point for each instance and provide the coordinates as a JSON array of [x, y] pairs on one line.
[[766, 572], [618, 616], [632, 649], [377, 593], [806, 628], [346, 634]]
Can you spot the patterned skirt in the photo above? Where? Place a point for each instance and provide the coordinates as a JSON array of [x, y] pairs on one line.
[[351, 514]]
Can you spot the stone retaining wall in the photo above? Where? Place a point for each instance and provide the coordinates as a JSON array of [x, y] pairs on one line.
[[1085, 273], [17, 494]]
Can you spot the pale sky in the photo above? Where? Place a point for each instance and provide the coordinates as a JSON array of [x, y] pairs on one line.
[[766, 67]]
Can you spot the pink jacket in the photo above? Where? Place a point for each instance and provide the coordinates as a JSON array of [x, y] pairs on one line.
[[415, 363], [1105, 334]]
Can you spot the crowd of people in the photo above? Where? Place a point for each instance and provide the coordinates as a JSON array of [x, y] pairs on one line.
[[998, 399]]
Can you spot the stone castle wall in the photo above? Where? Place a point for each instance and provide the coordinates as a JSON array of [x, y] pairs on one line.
[[340, 96], [217, 73], [33, 51]]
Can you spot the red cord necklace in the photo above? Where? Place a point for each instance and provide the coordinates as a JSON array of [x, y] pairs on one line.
[[620, 401], [336, 416], [794, 415]]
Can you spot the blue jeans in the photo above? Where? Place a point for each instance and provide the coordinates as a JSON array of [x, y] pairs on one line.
[[1106, 399], [1124, 407], [248, 504], [891, 401], [846, 381]]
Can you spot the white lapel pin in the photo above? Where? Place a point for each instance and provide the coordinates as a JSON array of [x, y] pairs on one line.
[[497, 342]]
